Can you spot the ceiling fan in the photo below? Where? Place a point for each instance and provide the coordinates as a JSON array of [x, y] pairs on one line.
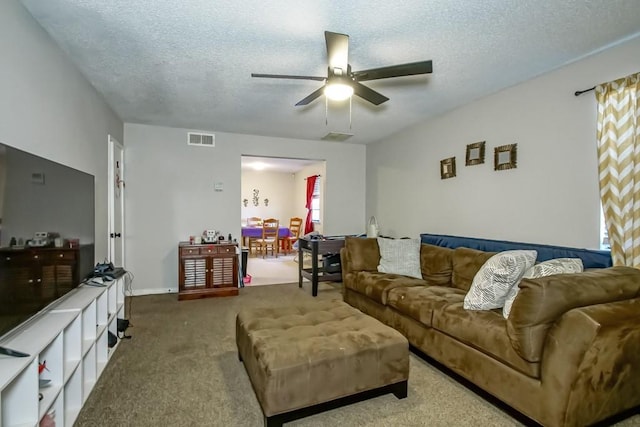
[[341, 82]]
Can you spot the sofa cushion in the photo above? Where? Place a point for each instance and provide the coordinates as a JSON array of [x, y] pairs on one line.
[[466, 263], [484, 330], [419, 302], [545, 268], [376, 285], [364, 254], [500, 273], [436, 264], [590, 258], [400, 256], [542, 301]]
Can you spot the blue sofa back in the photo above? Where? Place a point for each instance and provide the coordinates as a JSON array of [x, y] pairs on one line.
[[591, 258]]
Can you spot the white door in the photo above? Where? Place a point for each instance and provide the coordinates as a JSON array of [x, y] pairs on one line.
[[116, 203]]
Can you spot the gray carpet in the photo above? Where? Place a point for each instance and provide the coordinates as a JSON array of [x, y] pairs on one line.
[[181, 369]]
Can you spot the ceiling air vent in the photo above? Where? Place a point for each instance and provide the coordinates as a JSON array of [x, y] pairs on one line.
[[337, 136], [201, 139]]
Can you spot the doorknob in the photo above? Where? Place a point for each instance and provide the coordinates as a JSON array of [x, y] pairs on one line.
[[112, 235]]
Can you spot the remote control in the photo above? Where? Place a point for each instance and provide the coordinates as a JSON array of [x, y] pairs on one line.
[[13, 353]]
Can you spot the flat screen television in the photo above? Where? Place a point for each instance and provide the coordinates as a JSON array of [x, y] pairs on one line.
[[46, 234]]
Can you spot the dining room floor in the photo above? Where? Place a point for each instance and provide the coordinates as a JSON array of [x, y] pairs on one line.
[[271, 270]]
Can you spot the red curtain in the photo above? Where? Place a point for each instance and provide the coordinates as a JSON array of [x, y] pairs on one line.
[[311, 183]]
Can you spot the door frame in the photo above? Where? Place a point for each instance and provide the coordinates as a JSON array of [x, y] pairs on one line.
[[115, 204]]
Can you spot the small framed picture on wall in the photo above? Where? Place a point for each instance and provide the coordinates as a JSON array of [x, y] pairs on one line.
[[448, 168]]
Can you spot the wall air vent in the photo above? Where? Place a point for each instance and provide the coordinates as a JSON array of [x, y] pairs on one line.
[[201, 139], [336, 136]]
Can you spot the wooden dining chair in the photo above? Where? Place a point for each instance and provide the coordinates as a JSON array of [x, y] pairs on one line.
[[295, 225], [254, 221], [269, 239]]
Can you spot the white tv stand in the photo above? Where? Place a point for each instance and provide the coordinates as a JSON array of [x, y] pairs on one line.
[[71, 336]]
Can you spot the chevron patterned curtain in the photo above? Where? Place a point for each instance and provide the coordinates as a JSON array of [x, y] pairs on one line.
[[619, 166]]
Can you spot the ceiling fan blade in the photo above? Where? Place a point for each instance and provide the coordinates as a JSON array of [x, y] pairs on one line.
[[314, 95], [422, 67], [369, 94], [284, 76], [337, 50]]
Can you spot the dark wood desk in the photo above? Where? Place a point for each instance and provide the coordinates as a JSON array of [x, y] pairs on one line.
[[317, 247]]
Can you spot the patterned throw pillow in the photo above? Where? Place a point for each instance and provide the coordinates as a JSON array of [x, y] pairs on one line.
[[494, 279], [400, 256], [545, 268]]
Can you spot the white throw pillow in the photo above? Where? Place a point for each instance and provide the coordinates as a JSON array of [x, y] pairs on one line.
[[494, 279], [400, 256], [545, 268]]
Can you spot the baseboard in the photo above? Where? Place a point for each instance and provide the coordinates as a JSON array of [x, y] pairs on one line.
[[152, 291]]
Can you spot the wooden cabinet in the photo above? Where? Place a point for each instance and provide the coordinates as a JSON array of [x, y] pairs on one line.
[[207, 270]]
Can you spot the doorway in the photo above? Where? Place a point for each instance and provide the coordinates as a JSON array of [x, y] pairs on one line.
[[116, 186], [275, 187]]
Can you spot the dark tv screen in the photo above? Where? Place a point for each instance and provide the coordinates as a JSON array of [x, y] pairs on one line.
[[46, 233]]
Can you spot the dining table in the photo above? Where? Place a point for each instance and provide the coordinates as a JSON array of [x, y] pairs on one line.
[[256, 233]]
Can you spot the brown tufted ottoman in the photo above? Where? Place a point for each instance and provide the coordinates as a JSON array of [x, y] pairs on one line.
[[309, 358]]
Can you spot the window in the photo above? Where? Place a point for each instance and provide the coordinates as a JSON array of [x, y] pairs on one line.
[[315, 202], [604, 235]]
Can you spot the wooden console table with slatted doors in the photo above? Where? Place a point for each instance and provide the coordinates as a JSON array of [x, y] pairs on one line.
[[207, 270]]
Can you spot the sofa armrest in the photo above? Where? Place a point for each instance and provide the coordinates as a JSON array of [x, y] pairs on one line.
[[591, 363], [542, 301]]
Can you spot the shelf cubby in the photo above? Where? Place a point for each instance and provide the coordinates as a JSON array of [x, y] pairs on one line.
[[70, 337]]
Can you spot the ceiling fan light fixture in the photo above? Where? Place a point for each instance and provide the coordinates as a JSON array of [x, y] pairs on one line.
[[338, 90]]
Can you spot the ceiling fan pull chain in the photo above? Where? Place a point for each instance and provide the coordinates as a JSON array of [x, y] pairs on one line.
[[326, 111], [350, 111]]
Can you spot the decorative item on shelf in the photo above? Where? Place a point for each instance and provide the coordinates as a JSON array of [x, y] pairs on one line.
[[505, 157], [266, 202], [448, 168], [475, 153], [372, 228], [245, 202], [256, 200], [210, 236], [42, 367]]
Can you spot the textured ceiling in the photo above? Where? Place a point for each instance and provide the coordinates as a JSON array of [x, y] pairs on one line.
[[188, 63]]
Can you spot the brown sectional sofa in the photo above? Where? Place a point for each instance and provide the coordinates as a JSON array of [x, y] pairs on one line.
[[568, 355]]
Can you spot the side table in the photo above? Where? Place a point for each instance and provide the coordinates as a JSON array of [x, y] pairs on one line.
[[327, 245]]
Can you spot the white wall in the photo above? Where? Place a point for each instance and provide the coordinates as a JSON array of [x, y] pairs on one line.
[[552, 197], [49, 109], [277, 187], [170, 194]]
